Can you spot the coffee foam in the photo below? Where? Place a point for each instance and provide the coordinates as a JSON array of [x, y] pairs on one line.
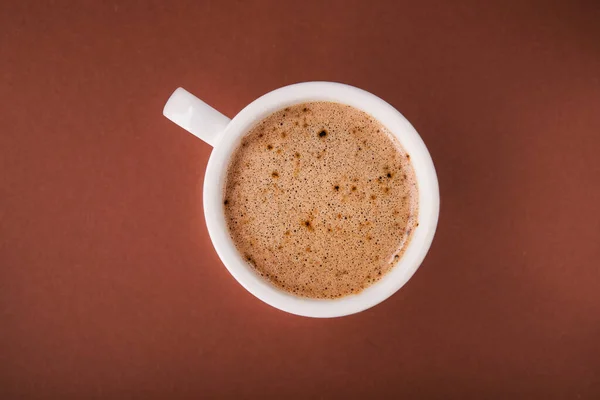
[[320, 199]]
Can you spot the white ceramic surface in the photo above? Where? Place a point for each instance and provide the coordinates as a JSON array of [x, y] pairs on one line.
[[224, 135]]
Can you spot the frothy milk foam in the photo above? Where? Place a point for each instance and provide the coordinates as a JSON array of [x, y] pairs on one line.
[[320, 199]]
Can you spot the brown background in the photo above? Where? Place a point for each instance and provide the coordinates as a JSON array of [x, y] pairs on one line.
[[110, 287]]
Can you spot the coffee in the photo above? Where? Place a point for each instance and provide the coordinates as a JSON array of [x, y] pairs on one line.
[[320, 199]]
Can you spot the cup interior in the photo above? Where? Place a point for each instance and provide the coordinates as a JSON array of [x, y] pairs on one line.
[[399, 126]]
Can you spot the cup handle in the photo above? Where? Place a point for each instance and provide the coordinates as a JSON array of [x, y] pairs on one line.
[[195, 116]]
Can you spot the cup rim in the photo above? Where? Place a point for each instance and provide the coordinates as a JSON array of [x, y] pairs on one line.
[[396, 123]]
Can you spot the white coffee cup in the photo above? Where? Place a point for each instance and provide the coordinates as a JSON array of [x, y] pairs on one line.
[[224, 135]]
